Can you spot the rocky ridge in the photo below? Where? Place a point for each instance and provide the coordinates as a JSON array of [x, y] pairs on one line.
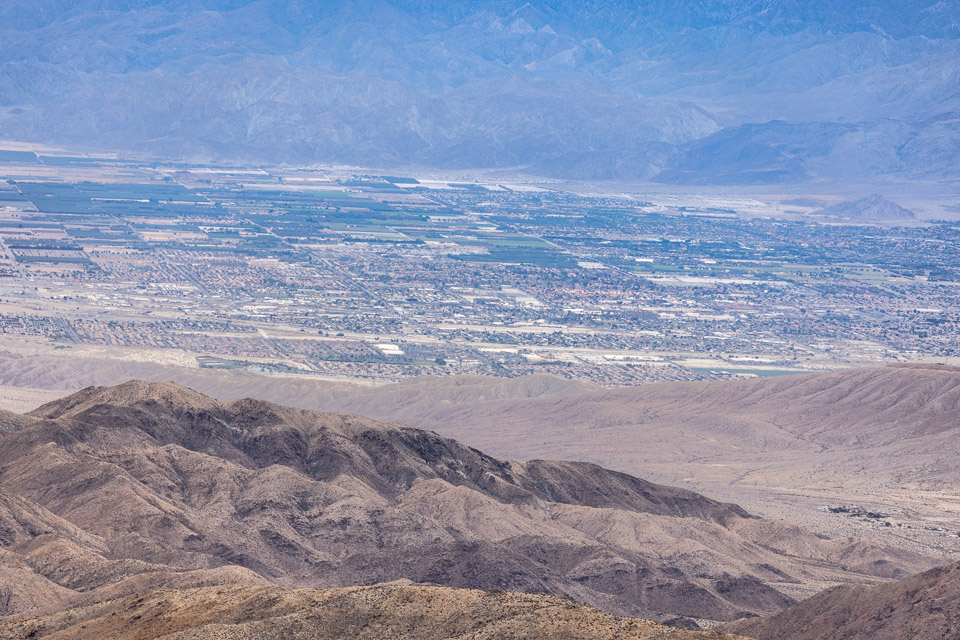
[[146, 486]]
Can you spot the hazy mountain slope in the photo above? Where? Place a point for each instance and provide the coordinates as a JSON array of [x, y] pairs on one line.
[[167, 481], [921, 606], [594, 90], [874, 208], [896, 421], [883, 438], [355, 613]]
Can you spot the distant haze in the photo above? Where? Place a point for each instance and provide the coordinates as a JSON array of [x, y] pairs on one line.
[[703, 92]]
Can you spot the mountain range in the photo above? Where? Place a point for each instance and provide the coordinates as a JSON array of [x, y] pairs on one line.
[[883, 438], [143, 486], [713, 92], [821, 430]]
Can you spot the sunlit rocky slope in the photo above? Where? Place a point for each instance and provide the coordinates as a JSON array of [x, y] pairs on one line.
[[143, 486]]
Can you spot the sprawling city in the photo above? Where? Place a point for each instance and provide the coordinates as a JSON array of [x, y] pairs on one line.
[[330, 272]]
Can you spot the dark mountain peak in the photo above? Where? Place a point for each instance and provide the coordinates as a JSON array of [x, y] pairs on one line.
[[134, 392], [388, 458]]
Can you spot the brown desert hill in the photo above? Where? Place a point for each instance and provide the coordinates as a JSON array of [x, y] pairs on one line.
[[922, 606], [862, 428], [885, 437], [389, 458], [151, 485], [867, 407], [357, 613]]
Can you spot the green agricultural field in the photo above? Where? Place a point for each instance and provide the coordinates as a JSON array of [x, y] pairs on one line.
[[650, 267], [66, 161], [14, 157]]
